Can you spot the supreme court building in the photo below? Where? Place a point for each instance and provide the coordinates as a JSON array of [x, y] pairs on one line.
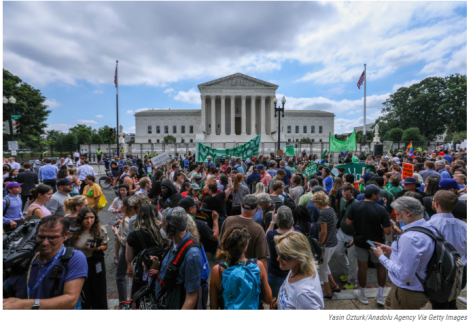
[[235, 108]]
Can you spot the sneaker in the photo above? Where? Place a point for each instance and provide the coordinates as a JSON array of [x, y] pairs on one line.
[[344, 278], [349, 286], [356, 293], [380, 300], [463, 300]]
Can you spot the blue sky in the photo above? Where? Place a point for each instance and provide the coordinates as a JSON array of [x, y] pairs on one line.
[[314, 51]]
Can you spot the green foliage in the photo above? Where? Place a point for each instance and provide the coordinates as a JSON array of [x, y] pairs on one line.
[[169, 139], [412, 134], [29, 104], [340, 137], [455, 103], [359, 136], [394, 134], [456, 136], [97, 139], [305, 140]]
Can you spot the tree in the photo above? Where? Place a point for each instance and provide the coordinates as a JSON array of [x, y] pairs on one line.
[[454, 107], [97, 139], [412, 134], [29, 104], [394, 135], [359, 136], [417, 106], [456, 137], [305, 140], [169, 139], [105, 133]]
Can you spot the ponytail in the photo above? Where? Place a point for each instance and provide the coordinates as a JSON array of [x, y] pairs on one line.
[[41, 189]]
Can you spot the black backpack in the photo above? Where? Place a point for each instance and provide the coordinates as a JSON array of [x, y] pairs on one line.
[[144, 257], [443, 281], [7, 204], [288, 201], [317, 249]]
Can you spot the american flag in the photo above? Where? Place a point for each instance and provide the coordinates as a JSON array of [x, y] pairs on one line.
[[360, 81], [115, 78]]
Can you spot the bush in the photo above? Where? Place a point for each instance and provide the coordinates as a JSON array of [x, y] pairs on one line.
[[412, 134], [394, 134]]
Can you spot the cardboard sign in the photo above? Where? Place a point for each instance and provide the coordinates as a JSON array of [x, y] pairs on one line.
[[160, 159], [387, 146], [407, 170], [280, 153]]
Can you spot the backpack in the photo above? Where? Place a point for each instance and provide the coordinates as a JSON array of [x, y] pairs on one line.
[[288, 201], [241, 285], [444, 271], [317, 249], [144, 255], [7, 204]]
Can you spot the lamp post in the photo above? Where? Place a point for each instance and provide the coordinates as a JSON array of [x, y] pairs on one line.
[[279, 110], [11, 100]]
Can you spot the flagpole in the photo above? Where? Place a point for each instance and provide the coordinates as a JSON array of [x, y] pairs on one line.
[[117, 107], [364, 120]]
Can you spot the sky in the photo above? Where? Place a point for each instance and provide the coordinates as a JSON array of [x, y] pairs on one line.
[[314, 51]]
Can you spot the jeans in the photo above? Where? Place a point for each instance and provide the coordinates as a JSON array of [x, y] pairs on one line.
[[275, 283], [51, 183], [120, 276], [347, 263]]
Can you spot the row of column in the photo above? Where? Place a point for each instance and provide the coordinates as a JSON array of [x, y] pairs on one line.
[[233, 114]]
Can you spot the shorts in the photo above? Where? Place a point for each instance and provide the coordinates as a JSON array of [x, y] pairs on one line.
[[115, 173], [364, 255]]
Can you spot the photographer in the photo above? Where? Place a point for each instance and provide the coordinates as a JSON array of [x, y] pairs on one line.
[[92, 241], [32, 290]]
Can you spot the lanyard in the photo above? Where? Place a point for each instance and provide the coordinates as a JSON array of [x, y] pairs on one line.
[[44, 274]]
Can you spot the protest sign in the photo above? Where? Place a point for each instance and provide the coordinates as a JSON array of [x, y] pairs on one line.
[[247, 150], [160, 159], [356, 169], [387, 146], [310, 169], [290, 150], [339, 146], [407, 170]]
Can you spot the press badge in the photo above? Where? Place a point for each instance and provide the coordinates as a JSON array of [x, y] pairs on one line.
[[98, 267]]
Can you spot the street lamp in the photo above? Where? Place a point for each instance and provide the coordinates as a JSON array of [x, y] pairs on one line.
[[11, 100], [279, 110]]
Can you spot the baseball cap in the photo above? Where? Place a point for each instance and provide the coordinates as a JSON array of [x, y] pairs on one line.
[[272, 162], [195, 186], [447, 184], [250, 202], [187, 202], [318, 188], [260, 167], [63, 182], [371, 189], [134, 168], [13, 185]]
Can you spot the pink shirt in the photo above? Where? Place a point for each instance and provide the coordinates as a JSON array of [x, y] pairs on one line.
[[45, 210], [266, 178]]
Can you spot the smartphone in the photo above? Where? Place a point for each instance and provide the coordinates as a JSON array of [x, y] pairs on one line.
[[371, 244], [112, 223], [278, 204]]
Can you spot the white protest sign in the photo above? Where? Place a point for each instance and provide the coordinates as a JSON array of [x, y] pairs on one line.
[[160, 159]]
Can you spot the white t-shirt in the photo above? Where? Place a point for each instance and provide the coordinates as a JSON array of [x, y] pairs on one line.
[[303, 294], [76, 154]]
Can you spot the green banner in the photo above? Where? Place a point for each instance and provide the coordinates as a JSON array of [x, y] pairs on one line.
[[312, 168], [353, 168], [290, 150], [247, 150], [342, 146]]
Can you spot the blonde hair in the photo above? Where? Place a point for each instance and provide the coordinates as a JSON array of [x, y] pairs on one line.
[[70, 204], [259, 189], [321, 198], [191, 227], [72, 170], [295, 245]]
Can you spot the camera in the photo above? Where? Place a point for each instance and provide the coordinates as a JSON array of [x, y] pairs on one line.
[[19, 247], [95, 242]]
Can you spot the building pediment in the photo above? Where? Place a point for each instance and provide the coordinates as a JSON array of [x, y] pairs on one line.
[[237, 80]]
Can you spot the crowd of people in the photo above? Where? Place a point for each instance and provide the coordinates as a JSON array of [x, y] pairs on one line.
[[271, 227]]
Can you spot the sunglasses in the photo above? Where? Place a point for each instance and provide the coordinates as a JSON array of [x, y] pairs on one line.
[[51, 238], [283, 257]]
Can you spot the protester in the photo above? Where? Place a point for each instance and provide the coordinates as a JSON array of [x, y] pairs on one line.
[[297, 190], [12, 207], [145, 184], [233, 292], [73, 205], [91, 229], [76, 184], [170, 196], [92, 191], [47, 174], [440, 168], [41, 195], [51, 233], [327, 179], [84, 171], [451, 185], [301, 289], [56, 204]]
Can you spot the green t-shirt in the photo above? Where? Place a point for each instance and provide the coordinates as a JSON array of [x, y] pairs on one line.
[[395, 190], [355, 159], [348, 230], [291, 169]]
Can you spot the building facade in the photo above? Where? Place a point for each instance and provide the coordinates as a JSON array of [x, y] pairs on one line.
[[235, 108]]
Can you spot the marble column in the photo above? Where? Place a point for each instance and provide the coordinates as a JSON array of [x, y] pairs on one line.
[[213, 115], [243, 115], [203, 114], [253, 115], [263, 115], [223, 115], [272, 114], [233, 113]]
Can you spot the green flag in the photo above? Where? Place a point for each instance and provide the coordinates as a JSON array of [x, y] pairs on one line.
[[323, 155], [342, 146], [312, 168], [247, 150], [290, 150], [353, 168]]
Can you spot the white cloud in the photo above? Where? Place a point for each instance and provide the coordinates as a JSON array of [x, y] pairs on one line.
[[191, 96], [168, 90], [59, 127], [131, 128], [99, 116], [130, 111], [84, 121], [405, 84], [97, 91], [52, 103]]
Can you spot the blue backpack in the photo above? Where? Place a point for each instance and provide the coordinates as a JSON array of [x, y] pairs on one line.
[[204, 265], [241, 285]]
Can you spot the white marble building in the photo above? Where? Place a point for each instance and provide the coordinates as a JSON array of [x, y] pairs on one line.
[[233, 108]]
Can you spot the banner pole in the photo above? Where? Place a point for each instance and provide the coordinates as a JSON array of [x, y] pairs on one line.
[[364, 120]]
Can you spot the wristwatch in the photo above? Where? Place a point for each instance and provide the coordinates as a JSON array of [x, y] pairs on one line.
[[36, 305]]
